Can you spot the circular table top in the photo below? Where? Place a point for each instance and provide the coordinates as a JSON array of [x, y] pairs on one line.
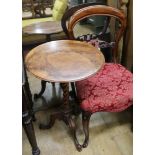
[[64, 61], [48, 27]]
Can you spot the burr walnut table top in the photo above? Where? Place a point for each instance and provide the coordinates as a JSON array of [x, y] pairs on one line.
[[48, 27], [64, 61]]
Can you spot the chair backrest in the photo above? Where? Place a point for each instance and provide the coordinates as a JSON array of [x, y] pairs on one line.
[[87, 11], [70, 12]]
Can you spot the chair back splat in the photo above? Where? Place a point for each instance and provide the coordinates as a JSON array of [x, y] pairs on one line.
[[78, 13], [70, 12]]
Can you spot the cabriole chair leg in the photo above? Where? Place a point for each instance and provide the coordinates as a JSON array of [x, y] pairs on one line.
[[85, 122]]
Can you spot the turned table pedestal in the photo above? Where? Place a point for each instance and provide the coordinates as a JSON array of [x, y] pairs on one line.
[[64, 61]]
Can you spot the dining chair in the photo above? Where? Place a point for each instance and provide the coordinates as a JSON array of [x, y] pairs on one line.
[[111, 89]]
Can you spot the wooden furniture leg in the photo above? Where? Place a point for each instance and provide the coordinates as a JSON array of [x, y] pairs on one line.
[[29, 130], [68, 118], [43, 86], [64, 113], [27, 123], [76, 107], [85, 122], [72, 93]]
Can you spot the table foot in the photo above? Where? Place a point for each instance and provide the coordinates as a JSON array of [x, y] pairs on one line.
[[85, 144], [63, 114], [72, 127], [85, 122], [36, 151], [29, 130]]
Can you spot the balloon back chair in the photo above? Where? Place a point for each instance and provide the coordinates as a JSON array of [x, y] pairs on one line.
[[110, 90]]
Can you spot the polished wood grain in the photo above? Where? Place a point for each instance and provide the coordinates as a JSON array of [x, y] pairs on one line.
[[49, 27], [64, 61]]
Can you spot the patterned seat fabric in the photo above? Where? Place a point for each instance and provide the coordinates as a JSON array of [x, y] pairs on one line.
[[95, 41], [111, 90]]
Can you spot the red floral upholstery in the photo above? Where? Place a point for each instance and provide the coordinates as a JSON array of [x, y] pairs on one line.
[[111, 90]]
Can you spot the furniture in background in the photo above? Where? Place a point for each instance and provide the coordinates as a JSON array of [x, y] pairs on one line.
[[96, 21], [34, 30], [27, 113], [58, 9], [36, 7], [28, 6], [58, 61], [49, 28], [110, 90]]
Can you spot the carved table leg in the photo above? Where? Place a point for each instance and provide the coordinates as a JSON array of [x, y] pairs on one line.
[[72, 126], [27, 121], [75, 106], [67, 117], [29, 98], [27, 88], [29, 130], [64, 113], [85, 121], [65, 88], [43, 86]]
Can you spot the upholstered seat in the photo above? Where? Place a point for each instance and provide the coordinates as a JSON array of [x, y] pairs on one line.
[[109, 90]]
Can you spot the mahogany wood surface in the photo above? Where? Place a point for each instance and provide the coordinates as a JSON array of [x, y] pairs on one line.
[[64, 61], [48, 27]]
